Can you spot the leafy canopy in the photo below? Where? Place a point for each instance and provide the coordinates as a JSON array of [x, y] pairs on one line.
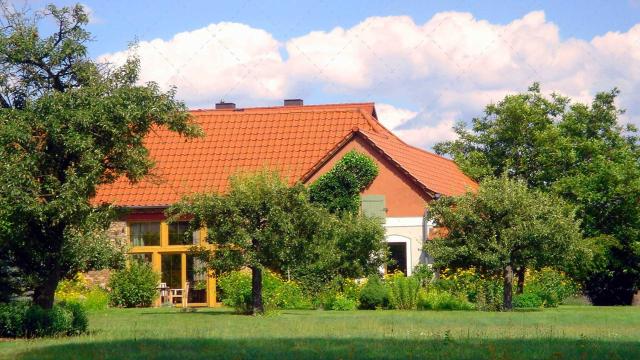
[[67, 125], [505, 226], [577, 151]]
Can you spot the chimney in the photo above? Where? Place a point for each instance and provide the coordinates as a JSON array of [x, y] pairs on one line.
[[225, 105], [293, 102]]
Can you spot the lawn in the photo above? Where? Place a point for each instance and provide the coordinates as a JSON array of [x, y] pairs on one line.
[[580, 332]]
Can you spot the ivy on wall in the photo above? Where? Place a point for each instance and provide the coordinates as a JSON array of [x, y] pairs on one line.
[[339, 189]]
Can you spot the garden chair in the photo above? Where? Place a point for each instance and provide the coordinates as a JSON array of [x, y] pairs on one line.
[[182, 294]]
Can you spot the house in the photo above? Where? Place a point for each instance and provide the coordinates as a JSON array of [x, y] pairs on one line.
[[301, 142]]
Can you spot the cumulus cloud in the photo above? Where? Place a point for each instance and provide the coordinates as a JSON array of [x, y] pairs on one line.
[[227, 61], [443, 70]]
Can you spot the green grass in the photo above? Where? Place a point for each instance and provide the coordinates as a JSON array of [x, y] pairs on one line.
[[569, 332]]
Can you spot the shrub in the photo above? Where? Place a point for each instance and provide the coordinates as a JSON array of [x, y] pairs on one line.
[[235, 290], [47, 322], [552, 286], [442, 300], [374, 294], [423, 273], [403, 291], [20, 319], [80, 321], [527, 301], [78, 290], [343, 303], [12, 318], [134, 286], [276, 293]]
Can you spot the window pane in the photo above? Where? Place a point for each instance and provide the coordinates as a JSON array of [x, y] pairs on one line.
[[145, 233], [172, 270], [179, 234], [142, 258], [197, 278]]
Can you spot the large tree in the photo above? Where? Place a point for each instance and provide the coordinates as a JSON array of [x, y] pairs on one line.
[[505, 226], [577, 151], [263, 223], [67, 125]]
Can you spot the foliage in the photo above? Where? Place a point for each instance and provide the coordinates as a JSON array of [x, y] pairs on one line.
[[235, 292], [343, 302], [578, 151], [423, 273], [527, 300], [339, 189], [67, 125], [434, 299], [403, 291], [22, 319], [12, 317], [374, 294], [78, 290], [505, 226], [482, 289], [551, 286], [338, 287], [134, 286], [262, 223]]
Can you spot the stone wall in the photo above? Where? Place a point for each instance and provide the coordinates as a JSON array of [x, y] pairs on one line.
[[118, 233]]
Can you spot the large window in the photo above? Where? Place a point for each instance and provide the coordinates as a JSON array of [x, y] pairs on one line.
[[179, 234], [398, 257], [145, 233], [143, 258]]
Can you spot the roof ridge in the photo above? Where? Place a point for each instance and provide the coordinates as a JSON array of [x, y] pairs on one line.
[[280, 107]]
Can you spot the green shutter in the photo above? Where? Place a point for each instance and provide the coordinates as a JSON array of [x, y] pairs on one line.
[[374, 206]]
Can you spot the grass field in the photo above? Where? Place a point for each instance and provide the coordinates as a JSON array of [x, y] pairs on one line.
[[579, 332]]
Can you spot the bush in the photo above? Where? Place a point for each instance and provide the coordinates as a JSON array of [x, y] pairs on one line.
[[527, 301], [134, 286], [235, 291], [442, 300], [423, 273], [551, 286], [77, 290], [343, 303], [374, 294], [80, 321], [403, 291], [12, 318], [20, 319]]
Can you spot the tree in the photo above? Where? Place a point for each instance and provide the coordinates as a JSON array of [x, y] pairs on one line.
[[259, 223], [262, 223], [505, 226], [67, 125], [577, 151]]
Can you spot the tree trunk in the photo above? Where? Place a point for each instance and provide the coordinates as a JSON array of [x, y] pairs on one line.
[[44, 293], [256, 290], [508, 288], [520, 274]]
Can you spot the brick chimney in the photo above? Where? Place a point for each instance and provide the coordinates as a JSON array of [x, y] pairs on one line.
[[293, 102], [225, 105]]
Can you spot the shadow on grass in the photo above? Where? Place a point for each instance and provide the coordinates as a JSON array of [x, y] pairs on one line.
[[329, 348]]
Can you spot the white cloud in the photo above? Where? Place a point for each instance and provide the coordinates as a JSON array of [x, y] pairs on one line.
[[450, 66], [225, 60], [392, 117]]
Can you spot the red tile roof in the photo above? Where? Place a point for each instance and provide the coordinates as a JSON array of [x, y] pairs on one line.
[[292, 140]]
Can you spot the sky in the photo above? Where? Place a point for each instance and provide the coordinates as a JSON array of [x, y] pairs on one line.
[[426, 64]]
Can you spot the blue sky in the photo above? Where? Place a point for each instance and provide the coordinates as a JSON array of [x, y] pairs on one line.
[[426, 64]]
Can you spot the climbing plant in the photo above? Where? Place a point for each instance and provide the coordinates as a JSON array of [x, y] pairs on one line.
[[339, 189]]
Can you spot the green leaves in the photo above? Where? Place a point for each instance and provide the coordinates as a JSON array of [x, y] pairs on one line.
[[68, 125], [339, 189]]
